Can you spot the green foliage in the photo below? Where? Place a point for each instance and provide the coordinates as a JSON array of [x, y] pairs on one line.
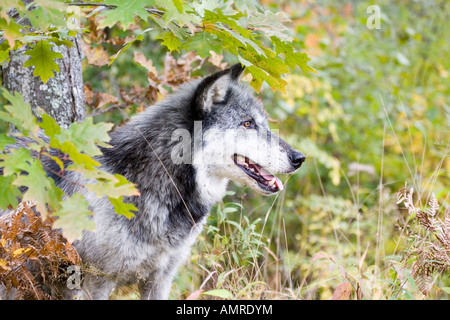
[[42, 58], [248, 35], [372, 114], [124, 12], [373, 117], [73, 224], [22, 168]]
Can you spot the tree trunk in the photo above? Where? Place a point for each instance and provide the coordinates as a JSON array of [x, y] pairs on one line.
[[62, 97]]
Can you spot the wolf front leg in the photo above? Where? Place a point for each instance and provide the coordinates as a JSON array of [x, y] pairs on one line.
[[97, 287], [157, 286]]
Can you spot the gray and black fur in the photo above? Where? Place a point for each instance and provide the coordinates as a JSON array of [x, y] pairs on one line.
[[175, 199]]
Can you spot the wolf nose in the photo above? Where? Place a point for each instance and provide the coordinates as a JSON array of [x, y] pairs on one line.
[[297, 158]]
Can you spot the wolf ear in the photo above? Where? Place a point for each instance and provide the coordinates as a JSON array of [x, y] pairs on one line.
[[237, 70], [214, 88]]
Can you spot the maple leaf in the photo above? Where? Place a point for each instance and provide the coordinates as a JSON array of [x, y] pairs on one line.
[[42, 58], [292, 58], [19, 113], [271, 24], [5, 140], [15, 161], [170, 41], [8, 192], [85, 136], [203, 43], [179, 11], [124, 12], [74, 217], [11, 31], [41, 188], [124, 209]]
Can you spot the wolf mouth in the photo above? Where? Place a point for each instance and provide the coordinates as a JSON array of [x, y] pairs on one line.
[[264, 178]]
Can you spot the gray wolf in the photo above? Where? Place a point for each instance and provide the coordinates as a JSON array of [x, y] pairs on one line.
[[179, 178]]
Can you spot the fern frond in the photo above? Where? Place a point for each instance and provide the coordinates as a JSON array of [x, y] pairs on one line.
[[433, 205]]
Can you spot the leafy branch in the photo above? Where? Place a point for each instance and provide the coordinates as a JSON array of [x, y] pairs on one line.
[[72, 150], [258, 39]]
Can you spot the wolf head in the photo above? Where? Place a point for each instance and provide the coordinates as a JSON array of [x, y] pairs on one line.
[[236, 141]]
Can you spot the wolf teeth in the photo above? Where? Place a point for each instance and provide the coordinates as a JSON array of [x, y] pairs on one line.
[[272, 182]]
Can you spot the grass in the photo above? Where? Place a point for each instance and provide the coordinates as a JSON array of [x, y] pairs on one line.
[[328, 247]]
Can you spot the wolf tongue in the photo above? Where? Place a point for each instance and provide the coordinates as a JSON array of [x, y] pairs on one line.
[[265, 174], [269, 177], [278, 183]]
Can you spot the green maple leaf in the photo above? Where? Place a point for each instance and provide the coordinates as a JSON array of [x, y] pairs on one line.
[[8, 192], [125, 12], [41, 188], [79, 158], [4, 53], [110, 185], [49, 125], [15, 161], [42, 58], [122, 208], [292, 58], [203, 43], [170, 41], [113, 186], [74, 217], [5, 140], [218, 17], [179, 11], [85, 136], [106, 184], [271, 24], [19, 113]]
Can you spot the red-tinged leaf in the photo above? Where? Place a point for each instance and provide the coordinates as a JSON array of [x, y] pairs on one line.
[[322, 255], [342, 292], [195, 295]]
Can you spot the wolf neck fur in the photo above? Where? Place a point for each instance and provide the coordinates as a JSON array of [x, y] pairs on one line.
[[142, 153]]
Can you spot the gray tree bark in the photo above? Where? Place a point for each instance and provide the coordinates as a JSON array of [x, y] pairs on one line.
[[62, 97]]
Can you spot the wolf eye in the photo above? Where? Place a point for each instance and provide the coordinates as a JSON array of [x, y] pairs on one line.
[[249, 124]]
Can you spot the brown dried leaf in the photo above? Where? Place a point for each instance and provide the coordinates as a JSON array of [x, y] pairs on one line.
[[95, 56], [147, 64], [26, 240], [216, 60], [89, 95], [102, 99]]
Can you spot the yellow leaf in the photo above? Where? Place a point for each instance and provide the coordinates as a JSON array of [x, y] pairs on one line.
[[4, 265], [20, 251]]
